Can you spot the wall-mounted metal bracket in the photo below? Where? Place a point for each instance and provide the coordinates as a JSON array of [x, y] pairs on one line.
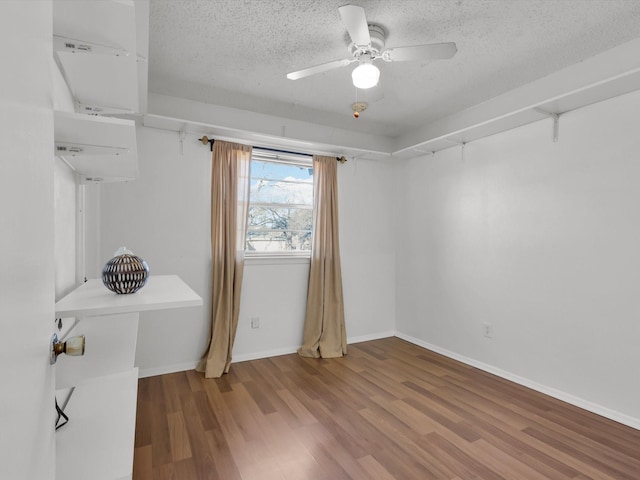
[[556, 122], [206, 140], [181, 136], [462, 145]]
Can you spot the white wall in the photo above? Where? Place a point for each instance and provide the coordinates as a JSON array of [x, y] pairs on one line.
[[26, 246], [163, 217], [539, 239]]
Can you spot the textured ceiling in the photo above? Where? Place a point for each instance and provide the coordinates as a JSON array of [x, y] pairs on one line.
[[236, 53]]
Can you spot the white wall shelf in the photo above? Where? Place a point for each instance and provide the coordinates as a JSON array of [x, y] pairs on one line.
[[558, 105], [109, 23], [160, 292], [101, 82], [601, 77], [98, 441], [101, 49], [97, 148], [96, 46]]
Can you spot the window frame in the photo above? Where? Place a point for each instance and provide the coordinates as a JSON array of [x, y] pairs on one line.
[[291, 159]]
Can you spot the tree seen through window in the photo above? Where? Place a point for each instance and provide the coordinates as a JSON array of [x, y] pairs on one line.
[[280, 206]]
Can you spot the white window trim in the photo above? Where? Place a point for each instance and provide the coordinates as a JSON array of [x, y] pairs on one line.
[[300, 258]]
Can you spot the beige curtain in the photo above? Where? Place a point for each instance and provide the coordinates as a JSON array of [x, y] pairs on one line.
[[229, 200], [324, 330]]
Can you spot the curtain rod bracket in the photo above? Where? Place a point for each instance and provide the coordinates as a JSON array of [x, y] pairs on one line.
[[208, 140], [211, 141]]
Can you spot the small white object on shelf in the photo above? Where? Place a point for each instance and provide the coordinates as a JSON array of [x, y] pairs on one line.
[[160, 292]]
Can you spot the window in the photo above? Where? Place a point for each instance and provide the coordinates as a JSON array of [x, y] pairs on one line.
[[280, 205]]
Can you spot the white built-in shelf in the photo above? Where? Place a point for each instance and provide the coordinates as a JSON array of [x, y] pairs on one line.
[[97, 148], [607, 75], [98, 441], [109, 23], [101, 83], [96, 46], [160, 292], [558, 105]]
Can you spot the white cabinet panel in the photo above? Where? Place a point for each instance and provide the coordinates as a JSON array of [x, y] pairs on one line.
[[97, 443]]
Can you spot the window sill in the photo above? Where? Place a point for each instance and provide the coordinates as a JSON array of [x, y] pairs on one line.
[[277, 259]]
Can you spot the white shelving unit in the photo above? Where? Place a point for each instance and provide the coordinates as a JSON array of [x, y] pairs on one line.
[[95, 44], [98, 441], [101, 49], [97, 148]]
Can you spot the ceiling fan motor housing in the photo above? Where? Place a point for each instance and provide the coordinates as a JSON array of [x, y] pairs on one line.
[[376, 32], [368, 44]]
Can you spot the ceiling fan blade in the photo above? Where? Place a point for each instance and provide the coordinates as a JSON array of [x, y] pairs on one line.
[[432, 51], [355, 21], [318, 69]]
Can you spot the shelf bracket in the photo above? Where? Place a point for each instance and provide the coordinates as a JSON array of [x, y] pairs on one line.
[[556, 122], [462, 145], [181, 136], [425, 152]]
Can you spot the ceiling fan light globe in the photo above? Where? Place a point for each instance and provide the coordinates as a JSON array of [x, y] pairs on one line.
[[365, 75]]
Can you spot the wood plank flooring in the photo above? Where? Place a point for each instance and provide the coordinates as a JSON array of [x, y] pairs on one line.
[[388, 410]]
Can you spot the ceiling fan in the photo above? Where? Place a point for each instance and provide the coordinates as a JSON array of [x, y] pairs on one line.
[[367, 45]]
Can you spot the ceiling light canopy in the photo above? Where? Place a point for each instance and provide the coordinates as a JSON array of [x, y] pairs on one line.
[[366, 74]]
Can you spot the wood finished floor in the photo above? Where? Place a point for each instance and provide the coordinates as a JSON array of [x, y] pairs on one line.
[[388, 410]]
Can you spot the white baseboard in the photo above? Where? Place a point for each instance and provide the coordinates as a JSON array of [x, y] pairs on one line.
[[552, 392], [293, 349], [372, 336], [181, 367], [264, 354]]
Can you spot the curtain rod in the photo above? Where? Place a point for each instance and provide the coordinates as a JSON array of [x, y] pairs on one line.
[[206, 140]]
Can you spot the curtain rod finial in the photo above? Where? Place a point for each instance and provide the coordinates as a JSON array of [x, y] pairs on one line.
[[206, 140], [342, 159]]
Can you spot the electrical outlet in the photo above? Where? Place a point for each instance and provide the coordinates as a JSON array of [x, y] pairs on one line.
[[255, 322], [487, 330]]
